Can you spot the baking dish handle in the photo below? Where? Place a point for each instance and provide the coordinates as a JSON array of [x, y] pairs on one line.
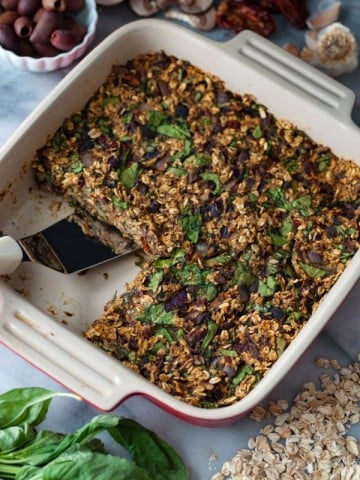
[[60, 353], [293, 73]]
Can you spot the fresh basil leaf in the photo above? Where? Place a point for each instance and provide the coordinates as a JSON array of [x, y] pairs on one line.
[[145, 447], [82, 464], [38, 451], [12, 438], [26, 405]]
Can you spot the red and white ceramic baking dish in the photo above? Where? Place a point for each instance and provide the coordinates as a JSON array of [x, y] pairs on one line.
[[44, 322]]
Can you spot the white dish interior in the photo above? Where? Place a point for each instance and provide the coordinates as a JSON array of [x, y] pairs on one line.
[[44, 324]]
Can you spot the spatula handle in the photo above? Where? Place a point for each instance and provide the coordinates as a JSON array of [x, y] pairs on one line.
[[10, 255]]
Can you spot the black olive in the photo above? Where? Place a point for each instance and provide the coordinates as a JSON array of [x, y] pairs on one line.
[[181, 110]]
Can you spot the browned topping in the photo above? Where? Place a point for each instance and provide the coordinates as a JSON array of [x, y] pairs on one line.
[[246, 221]]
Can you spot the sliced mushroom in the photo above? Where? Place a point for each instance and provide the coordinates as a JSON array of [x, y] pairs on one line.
[[194, 6], [202, 21], [164, 4], [144, 8]]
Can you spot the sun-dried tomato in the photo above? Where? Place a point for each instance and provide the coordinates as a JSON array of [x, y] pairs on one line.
[[295, 11], [245, 15]]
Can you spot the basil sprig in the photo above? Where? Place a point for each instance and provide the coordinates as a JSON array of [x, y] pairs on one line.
[[30, 454]]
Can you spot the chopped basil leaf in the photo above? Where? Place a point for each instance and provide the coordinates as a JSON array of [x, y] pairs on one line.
[[267, 288], [157, 315], [213, 178], [119, 203], [303, 205], [177, 257], [129, 175], [323, 162], [199, 160], [209, 291], [192, 226], [278, 240], [243, 372], [110, 101], [174, 131], [178, 172], [257, 132], [280, 345], [228, 353], [278, 197], [314, 272], [164, 332], [76, 167], [155, 280], [219, 260], [211, 332], [190, 274]]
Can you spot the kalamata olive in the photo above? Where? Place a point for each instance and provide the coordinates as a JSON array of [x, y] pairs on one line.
[[23, 26], [45, 50], [25, 48], [48, 22], [38, 14], [28, 7], [8, 38], [54, 5], [8, 17], [63, 39], [314, 257], [9, 4], [68, 23], [181, 110]]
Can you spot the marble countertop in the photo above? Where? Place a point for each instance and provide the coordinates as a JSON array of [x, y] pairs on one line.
[[203, 450]]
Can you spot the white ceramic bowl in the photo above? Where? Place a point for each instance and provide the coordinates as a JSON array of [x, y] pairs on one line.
[[87, 16], [44, 325]]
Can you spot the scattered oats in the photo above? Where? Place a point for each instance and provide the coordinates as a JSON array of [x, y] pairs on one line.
[[308, 439]]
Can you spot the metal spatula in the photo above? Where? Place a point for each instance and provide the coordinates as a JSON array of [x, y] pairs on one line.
[[62, 247]]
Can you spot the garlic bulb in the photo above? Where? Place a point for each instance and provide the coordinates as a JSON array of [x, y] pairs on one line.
[[332, 49]]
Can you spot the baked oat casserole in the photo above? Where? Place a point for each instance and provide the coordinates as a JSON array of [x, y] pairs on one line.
[[245, 223]]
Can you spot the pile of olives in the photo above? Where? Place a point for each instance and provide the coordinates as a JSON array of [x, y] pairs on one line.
[[40, 28]]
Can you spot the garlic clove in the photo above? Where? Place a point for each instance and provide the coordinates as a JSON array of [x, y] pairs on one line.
[[333, 49], [327, 12], [203, 21]]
